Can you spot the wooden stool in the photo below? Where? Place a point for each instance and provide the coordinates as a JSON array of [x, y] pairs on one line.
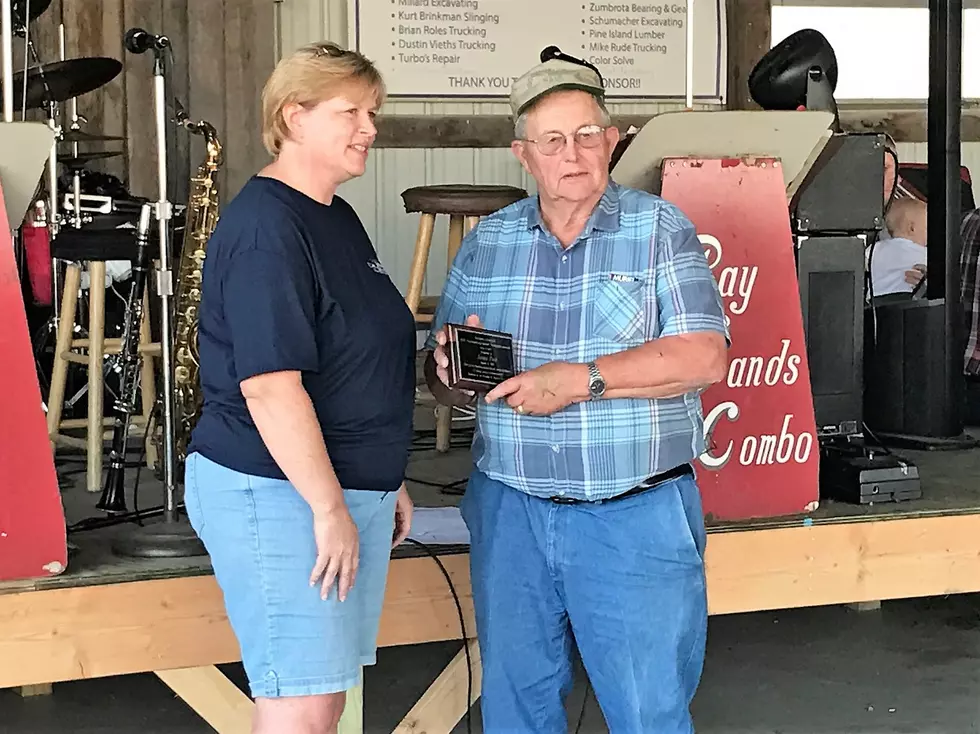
[[94, 249], [464, 204]]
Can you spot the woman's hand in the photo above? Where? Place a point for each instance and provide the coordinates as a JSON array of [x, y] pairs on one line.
[[403, 516], [337, 550]]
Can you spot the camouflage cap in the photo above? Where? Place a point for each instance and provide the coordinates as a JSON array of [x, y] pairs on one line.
[[551, 76]]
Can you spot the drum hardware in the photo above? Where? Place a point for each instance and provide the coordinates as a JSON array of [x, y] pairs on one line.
[[90, 203], [80, 160], [77, 135], [44, 86], [15, 17], [60, 81], [98, 204], [24, 11]]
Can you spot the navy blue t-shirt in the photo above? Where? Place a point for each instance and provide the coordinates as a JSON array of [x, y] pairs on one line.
[[293, 284]]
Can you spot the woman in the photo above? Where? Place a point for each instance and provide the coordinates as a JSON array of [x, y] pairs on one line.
[[294, 478]]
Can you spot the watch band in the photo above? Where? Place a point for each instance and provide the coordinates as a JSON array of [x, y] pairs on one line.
[[597, 385], [594, 373]]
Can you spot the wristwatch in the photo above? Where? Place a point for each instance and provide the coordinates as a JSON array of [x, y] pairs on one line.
[[597, 386]]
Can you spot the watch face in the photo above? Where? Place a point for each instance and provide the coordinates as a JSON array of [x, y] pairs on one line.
[[597, 386]]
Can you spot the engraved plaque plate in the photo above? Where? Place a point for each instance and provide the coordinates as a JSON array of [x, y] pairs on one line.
[[479, 359]]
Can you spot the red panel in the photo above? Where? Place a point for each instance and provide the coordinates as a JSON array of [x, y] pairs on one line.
[[32, 521], [763, 457]]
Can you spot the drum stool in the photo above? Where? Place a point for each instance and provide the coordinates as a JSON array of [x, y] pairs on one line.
[[92, 248], [464, 204]]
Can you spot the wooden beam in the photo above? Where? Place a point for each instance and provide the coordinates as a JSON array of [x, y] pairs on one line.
[[113, 629], [497, 131], [120, 628], [858, 562], [908, 125], [749, 38], [460, 131], [229, 711], [841, 563], [444, 702], [212, 696], [352, 720], [39, 689]]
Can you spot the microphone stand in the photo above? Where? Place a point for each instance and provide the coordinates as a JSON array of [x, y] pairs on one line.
[[7, 45], [172, 537]]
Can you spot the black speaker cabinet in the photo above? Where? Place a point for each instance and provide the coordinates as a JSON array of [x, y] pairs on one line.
[[905, 391], [831, 274], [844, 191]]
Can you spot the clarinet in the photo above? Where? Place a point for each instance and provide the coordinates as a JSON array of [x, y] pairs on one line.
[[113, 499]]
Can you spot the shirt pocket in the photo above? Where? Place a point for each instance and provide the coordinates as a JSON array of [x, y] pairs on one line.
[[618, 311]]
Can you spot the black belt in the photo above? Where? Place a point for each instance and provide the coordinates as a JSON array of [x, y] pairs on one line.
[[648, 483]]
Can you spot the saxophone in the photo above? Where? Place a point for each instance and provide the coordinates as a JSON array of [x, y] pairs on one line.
[[202, 216]]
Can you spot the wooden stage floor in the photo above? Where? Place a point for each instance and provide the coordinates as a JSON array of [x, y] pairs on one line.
[[107, 615], [950, 486]]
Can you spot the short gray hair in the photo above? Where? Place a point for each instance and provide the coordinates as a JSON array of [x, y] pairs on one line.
[[520, 124]]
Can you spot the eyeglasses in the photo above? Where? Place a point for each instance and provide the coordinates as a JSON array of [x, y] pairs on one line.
[[329, 49], [588, 136]]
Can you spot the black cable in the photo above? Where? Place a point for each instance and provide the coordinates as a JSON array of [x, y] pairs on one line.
[[137, 515], [98, 523], [466, 648], [874, 437], [462, 628], [891, 194], [869, 281]]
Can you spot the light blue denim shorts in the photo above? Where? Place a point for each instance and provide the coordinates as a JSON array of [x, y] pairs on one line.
[[259, 535]]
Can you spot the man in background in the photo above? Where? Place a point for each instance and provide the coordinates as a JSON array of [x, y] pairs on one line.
[[970, 291]]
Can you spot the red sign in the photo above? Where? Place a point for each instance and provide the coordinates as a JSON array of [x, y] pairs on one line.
[[32, 521], [762, 457]]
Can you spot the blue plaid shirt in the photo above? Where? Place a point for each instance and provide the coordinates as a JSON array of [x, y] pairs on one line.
[[637, 272]]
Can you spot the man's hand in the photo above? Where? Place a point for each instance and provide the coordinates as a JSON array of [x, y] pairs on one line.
[[545, 389], [403, 516], [439, 353]]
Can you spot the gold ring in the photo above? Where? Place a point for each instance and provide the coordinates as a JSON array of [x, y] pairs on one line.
[[520, 409]]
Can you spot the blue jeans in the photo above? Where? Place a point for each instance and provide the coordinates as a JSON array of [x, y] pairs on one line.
[[624, 579]]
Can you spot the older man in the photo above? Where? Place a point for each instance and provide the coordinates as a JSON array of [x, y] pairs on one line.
[[584, 516]]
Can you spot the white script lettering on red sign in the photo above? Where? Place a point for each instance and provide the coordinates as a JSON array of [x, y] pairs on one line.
[[762, 457]]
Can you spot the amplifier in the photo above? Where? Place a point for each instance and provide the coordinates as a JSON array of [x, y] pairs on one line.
[[844, 191], [831, 275], [906, 391], [867, 477]]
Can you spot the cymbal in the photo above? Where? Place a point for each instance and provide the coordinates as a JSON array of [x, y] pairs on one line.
[[80, 136], [60, 81], [17, 8], [78, 161]]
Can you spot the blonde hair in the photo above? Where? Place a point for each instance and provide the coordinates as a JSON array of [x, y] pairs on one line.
[[308, 76], [907, 218]]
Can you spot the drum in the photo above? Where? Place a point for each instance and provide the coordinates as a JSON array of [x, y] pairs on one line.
[[37, 252]]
